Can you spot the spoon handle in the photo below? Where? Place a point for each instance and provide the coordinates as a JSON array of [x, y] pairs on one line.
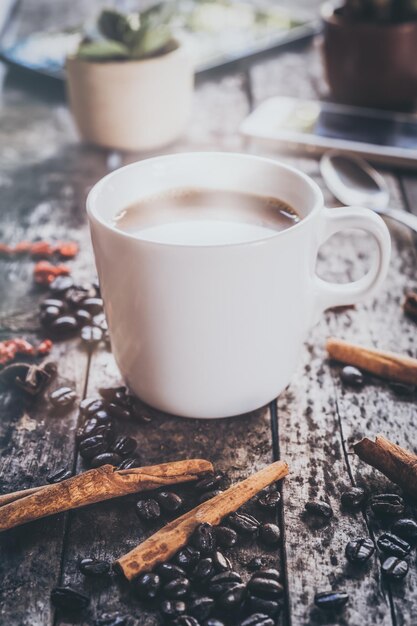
[[408, 219]]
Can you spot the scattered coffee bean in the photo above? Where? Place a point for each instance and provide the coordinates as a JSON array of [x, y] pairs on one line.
[[394, 568], [62, 397], [203, 570], [270, 573], [221, 563], [89, 406], [49, 315], [100, 321], [112, 619], [93, 305], [203, 538], [118, 411], [269, 500], [258, 562], [359, 550], [59, 476], [319, 508], [201, 607], [113, 394], [91, 335], [209, 482], [94, 567], [402, 390], [257, 619], [170, 571], [64, 324], [168, 501], [188, 557], [261, 605], [352, 376], [61, 284], [243, 523], [232, 598], [129, 463], [54, 302], [391, 544], [106, 458], [83, 317], [406, 529], [265, 587], [270, 534], [331, 600], [212, 621], [177, 588], [147, 585], [353, 498], [225, 537], [124, 445], [69, 599], [208, 495], [221, 582], [172, 608], [92, 446], [186, 620], [102, 416], [148, 510], [387, 505]]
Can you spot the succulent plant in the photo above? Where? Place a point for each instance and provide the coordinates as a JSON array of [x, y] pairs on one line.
[[118, 36], [381, 10]]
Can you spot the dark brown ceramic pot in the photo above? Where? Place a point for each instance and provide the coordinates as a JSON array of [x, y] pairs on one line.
[[370, 64]]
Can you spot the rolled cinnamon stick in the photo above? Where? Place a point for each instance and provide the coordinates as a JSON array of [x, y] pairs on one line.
[[389, 365], [395, 462], [165, 543], [96, 485]]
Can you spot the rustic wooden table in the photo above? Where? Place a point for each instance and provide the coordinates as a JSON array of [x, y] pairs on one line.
[[45, 175]]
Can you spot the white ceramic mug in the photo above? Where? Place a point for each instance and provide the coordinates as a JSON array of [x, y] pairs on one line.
[[216, 330]]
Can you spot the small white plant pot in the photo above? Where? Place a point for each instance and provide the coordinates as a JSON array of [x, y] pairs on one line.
[[131, 105]]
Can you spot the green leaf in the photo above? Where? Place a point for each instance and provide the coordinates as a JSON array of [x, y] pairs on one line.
[[152, 41], [118, 27], [103, 50]]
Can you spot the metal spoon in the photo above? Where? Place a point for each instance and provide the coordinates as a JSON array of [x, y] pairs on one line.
[[353, 181]]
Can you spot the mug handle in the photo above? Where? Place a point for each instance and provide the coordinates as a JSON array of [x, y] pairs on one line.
[[334, 220]]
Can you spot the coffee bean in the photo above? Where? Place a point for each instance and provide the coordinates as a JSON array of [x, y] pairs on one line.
[[353, 498], [59, 476], [54, 302], [61, 284], [402, 390], [186, 620], [62, 397], [113, 394], [94, 567], [89, 406], [102, 416], [148, 510], [209, 482], [221, 563], [257, 562], [119, 412], [83, 317], [168, 501], [147, 585], [265, 588], [64, 325], [129, 463], [76, 295], [212, 621], [172, 608], [177, 588], [406, 529], [394, 568], [49, 315], [257, 619], [91, 335], [170, 571], [91, 426], [225, 537], [359, 550], [124, 445], [387, 505], [261, 605], [203, 538], [352, 376], [232, 598], [203, 570], [93, 305], [208, 495], [69, 599], [319, 508], [201, 607], [243, 523], [219, 583], [188, 557], [270, 534], [112, 619], [331, 600], [106, 458], [92, 446], [269, 500], [393, 545], [270, 573]]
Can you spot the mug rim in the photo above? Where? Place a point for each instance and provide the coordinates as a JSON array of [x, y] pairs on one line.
[[94, 214]]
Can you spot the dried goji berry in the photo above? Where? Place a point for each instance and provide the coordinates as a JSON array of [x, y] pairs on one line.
[[5, 250], [44, 347], [22, 247], [67, 249], [41, 249]]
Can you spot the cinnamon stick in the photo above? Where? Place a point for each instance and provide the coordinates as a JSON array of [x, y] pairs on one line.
[[389, 365], [395, 462], [165, 543], [93, 486]]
